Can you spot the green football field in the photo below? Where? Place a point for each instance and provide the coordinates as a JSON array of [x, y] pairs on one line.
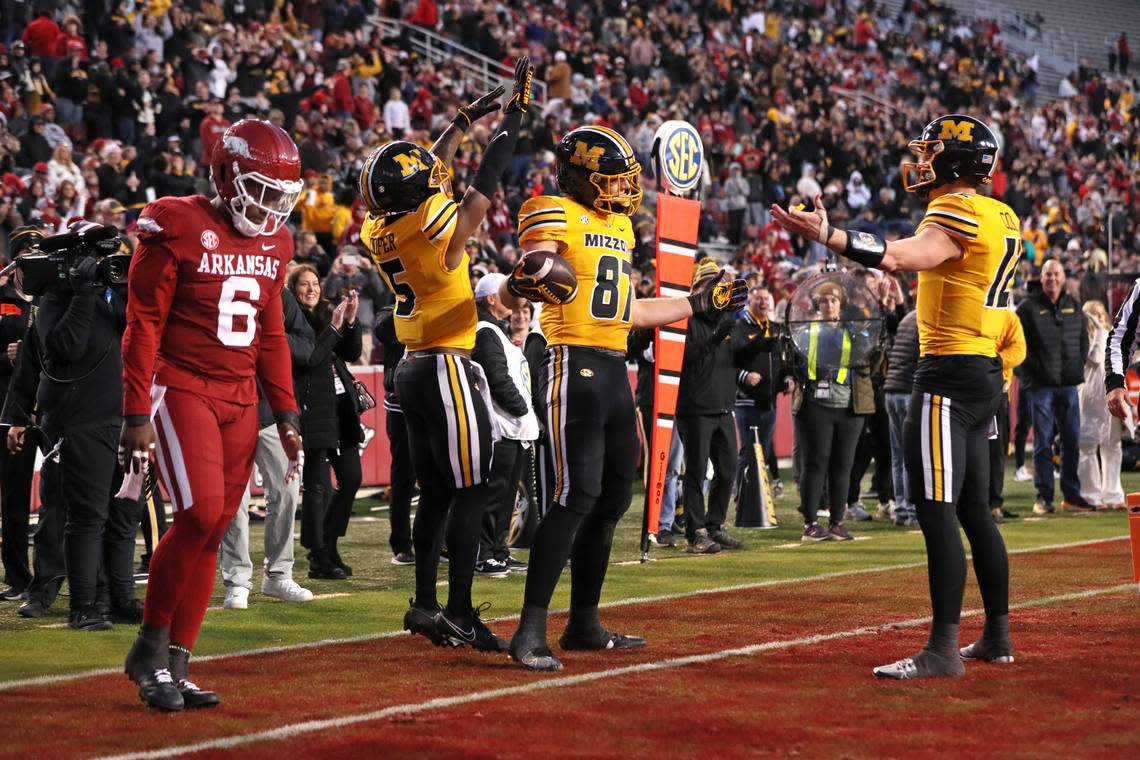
[[374, 600]]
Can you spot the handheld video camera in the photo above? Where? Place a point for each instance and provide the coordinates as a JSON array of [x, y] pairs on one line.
[[47, 265]]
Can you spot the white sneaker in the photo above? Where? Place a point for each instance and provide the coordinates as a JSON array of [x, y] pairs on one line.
[[237, 598], [857, 512], [285, 589], [886, 511], [1023, 474]]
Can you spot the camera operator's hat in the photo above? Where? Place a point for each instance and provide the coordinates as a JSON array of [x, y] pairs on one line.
[[111, 206], [832, 289], [23, 238]]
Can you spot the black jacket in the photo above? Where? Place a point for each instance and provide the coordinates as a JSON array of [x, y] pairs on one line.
[[14, 312], [756, 348], [490, 356], [708, 372], [301, 339], [328, 420], [903, 357], [80, 335], [1056, 341], [638, 342], [20, 401], [393, 353]]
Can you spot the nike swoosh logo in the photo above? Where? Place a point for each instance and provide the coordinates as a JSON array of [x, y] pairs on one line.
[[265, 247], [467, 636]]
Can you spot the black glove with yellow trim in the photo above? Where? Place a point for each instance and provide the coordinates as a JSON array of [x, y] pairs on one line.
[[718, 294], [473, 112], [520, 98]]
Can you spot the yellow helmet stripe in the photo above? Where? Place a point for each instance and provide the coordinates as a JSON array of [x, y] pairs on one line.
[[617, 139]]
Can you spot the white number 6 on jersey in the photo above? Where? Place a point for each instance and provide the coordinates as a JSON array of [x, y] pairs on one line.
[[229, 307]]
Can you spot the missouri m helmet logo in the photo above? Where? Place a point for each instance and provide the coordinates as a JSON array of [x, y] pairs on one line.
[[409, 163], [587, 157], [957, 130]]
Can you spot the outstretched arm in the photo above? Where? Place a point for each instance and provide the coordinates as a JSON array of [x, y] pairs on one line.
[[926, 250]]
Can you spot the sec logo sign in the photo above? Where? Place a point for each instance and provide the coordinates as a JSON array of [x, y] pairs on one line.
[[680, 155], [210, 240]]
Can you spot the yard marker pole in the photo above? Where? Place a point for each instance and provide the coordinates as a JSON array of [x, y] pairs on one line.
[[1133, 502], [678, 162]]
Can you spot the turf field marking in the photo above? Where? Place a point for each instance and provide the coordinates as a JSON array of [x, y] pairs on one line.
[[439, 703], [64, 677]]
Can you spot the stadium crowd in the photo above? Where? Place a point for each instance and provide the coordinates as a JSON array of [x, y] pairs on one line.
[[104, 112]]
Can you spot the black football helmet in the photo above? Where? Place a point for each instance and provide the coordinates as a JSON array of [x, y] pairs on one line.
[[952, 147], [399, 176], [597, 168]]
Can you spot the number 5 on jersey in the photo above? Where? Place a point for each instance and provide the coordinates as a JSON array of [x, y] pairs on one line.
[[405, 296]]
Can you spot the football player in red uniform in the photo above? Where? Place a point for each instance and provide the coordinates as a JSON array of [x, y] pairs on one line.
[[204, 327]]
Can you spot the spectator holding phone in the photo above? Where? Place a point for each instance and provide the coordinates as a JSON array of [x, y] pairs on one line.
[[354, 272]]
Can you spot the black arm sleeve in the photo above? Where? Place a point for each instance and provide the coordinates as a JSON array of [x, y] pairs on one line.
[[489, 353], [498, 156]]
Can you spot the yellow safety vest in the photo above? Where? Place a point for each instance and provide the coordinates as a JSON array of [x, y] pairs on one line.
[[813, 351]]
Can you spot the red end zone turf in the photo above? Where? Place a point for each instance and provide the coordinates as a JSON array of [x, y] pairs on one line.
[[1071, 691]]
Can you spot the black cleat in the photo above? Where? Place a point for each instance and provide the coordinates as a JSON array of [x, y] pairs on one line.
[[33, 608], [131, 612], [474, 633], [988, 651], [538, 657], [13, 594], [157, 690], [422, 621], [88, 619], [571, 641], [194, 698]]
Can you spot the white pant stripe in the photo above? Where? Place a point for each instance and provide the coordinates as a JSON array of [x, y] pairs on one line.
[[472, 422], [927, 450], [449, 412], [947, 454], [178, 481]]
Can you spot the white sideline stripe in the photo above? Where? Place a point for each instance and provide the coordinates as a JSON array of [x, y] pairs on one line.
[[64, 677], [412, 708], [670, 248]]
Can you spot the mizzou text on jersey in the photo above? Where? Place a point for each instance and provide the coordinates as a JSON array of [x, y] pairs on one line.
[[435, 306], [962, 303], [598, 248]]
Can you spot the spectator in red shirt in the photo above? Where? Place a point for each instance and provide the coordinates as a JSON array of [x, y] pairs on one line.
[[363, 107], [212, 128], [426, 14], [342, 87], [41, 34], [70, 37]]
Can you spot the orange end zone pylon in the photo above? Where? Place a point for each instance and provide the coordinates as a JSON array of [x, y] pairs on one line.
[[1133, 502]]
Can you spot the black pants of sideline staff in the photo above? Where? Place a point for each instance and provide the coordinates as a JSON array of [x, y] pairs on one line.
[[827, 438], [707, 437], [403, 481], [502, 488], [96, 534], [16, 504]]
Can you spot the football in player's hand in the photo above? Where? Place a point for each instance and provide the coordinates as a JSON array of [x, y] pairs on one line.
[[544, 276]]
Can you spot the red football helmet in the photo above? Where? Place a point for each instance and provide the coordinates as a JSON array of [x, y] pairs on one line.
[[256, 170]]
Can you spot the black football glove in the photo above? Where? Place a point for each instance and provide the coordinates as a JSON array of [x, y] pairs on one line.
[[82, 274], [718, 294], [520, 97], [472, 113]]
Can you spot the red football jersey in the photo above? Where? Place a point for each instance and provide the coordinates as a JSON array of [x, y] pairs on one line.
[[204, 308]]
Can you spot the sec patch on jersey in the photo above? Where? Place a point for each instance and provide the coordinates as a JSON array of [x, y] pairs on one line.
[[544, 276]]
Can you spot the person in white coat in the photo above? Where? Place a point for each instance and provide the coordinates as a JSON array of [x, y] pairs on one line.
[[508, 378], [1100, 431]]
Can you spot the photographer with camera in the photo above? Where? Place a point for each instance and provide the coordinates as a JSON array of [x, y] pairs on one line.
[[79, 325]]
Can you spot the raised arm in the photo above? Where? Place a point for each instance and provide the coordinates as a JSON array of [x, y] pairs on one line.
[[448, 142]]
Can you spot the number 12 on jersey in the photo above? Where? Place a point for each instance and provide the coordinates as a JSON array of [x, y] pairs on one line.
[[997, 296]]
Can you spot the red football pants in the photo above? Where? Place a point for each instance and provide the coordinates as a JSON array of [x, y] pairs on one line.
[[205, 457]]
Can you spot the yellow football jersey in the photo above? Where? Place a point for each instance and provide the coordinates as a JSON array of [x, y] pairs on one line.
[[435, 306], [962, 305], [597, 247]]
